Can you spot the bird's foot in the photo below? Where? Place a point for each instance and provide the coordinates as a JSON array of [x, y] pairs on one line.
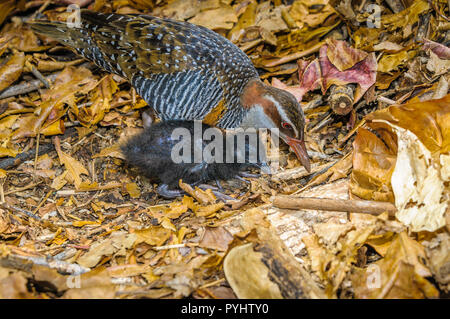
[[149, 117], [223, 197], [249, 175], [204, 187], [165, 192], [238, 176], [215, 190], [219, 185]]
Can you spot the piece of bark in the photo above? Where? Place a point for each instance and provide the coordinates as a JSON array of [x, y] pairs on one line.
[[267, 269]]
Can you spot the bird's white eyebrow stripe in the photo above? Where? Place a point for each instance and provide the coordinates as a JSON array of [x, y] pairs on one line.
[[282, 113]]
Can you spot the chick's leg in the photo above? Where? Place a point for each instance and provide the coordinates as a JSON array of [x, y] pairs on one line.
[[165, 192]]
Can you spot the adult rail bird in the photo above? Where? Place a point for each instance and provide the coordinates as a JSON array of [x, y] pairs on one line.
[[184, 72]]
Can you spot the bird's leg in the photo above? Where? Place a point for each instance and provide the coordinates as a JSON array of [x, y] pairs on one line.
[[148, 117], [219, 185], [241, 179], [248, 175], [207, 186], [165, 192], [221, 196]]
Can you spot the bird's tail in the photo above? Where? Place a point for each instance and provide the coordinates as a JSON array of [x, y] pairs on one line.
[[84, 39], [59, 31]]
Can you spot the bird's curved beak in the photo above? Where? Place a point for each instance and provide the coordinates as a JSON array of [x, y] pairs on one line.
[[299, 148]]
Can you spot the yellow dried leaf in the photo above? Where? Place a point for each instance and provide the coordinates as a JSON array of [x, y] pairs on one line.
[[206, 211], [175, 210], [70, 81], [133, 190], [8, 152], [167, 224], [409, 16], [81, 223], [221, 18], [391, 62], [203, 197], [5, 9], [74, 167], [128, 270], [155, 236], [59, 181]]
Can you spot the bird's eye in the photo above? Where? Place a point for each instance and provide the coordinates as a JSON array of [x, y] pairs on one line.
[[287, 126]]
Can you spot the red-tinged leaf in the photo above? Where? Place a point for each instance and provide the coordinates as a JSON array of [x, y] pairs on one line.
[[309, 76], [294, 90], [442, 51], [363, 73], [342, 56]]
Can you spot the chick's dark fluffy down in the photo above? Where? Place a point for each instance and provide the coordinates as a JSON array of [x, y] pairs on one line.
[[151, 151]]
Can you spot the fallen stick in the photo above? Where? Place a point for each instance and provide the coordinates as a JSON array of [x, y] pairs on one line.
[[339, 205], [26, 87], [295, 56]]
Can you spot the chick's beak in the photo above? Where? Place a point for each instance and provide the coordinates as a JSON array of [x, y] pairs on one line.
[[299, 148]]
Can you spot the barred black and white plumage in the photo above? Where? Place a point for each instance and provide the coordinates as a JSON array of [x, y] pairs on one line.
[[184, 72]]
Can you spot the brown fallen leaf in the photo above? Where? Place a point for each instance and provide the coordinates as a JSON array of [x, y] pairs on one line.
[[220, 18], [266, 268], [373, 164], [11, 70], [69, 82], [418, 135], [437, 252], [93, 284], [74, 167], [5, 9], [342, 56], [442, 51], [13, 286], [217, 238], [116, 244], [400, 274]]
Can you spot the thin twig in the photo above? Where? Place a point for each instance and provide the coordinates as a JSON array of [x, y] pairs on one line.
[[296, 55], [42, 201], [37, 151], [20, 210], [26, 87], [12, 191]]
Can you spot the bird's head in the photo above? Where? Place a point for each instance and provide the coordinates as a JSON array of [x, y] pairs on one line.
[[270, 107]]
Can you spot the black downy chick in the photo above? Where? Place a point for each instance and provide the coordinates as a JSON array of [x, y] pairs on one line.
[[152, 151]]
